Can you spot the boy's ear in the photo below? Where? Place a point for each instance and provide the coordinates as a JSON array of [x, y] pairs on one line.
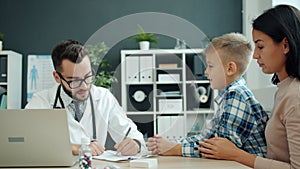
[[231, 68]]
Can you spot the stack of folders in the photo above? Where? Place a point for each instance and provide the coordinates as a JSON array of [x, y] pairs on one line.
[[139, 69], [3, 98]]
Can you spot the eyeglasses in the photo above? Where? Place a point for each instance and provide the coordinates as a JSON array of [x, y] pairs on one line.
[[73, 84]]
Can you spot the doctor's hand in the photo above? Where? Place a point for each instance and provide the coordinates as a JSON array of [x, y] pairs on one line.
[[127, 147], [161, 146], [97, 149]]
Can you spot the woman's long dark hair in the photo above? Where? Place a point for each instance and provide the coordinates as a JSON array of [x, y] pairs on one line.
[[283, 21]]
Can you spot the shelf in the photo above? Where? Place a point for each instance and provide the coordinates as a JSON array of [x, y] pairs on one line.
[[200, 111], [13, 63], [139, 113], [197, 81], [169, 113], [168, 96], [166, 69], [163, 83], [139, 83]]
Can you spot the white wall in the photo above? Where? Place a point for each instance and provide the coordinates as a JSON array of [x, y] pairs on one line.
[[251, 9], [257, 81], [295, 3]]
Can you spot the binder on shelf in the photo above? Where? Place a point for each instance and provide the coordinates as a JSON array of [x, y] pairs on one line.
[[3, 102], [132, 69], [164, 126], [168, 66], [178, 123], [146, 69], [171, 127], [169, 78], [3, 68], [2, 90], [170, 105], [3, 98], [199, 68]]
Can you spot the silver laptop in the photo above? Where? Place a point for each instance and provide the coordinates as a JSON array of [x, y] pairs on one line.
[[35, 137]]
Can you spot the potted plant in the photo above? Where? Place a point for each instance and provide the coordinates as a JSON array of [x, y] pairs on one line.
[[144, 39], [104, 75], [1, 41]]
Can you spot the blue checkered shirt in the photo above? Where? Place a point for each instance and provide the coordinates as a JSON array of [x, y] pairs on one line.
[[239, 118]]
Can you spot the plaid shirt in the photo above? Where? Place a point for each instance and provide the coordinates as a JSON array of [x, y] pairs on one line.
[[239, 118]]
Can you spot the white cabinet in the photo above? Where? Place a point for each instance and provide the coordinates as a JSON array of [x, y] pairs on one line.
[[159, 90], [11, 77]]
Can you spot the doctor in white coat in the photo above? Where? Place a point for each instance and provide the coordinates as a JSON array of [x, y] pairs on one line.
[[92, 111]]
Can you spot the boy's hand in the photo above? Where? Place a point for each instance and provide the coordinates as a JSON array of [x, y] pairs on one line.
[[161, 146]]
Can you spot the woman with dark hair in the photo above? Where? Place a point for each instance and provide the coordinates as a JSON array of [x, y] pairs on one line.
[[276, 34]]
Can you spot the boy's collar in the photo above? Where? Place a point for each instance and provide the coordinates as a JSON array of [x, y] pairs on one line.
[[239, 81]]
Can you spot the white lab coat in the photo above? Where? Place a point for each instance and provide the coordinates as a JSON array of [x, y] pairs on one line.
[[109, 116]]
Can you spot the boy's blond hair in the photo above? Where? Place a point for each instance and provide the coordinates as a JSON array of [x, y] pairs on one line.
[[233, 47]]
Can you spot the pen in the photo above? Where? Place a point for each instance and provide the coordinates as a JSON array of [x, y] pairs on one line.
[[125, 135]]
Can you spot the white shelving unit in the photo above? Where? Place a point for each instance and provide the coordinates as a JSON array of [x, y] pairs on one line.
[[157, 83], [11, 78]]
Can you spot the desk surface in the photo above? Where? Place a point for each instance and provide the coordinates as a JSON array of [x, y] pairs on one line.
[[180, 162], [165, 162]]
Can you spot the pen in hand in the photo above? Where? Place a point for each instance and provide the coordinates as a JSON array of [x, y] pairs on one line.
[[125, 136], [127, 133]]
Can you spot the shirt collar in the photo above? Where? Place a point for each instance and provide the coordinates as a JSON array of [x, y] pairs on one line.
[[237, 82], [65, 97]]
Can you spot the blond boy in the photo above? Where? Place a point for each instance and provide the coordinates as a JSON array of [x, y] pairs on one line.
[[239, 117]]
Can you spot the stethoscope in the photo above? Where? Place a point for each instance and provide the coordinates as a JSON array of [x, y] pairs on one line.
[[57, 97]]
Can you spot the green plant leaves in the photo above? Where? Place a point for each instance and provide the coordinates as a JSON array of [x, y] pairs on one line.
[[104, 75], [1, 36], [142, 36]]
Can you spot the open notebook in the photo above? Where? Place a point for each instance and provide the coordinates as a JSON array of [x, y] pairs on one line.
[[110, 155], [37, 137]]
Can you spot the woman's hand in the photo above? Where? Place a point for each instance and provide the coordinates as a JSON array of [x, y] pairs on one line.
[[219, 148], [223, 149]]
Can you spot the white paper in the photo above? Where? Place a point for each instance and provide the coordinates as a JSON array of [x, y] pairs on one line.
[[110, 155]]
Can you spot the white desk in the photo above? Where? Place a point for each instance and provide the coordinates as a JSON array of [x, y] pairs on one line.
[[180, 162], [164, 162]]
